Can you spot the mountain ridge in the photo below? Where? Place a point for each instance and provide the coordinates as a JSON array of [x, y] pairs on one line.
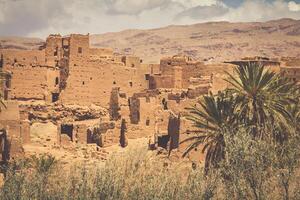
[[215, 41]]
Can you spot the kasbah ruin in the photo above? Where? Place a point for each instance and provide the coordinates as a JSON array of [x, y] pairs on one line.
[[91, 96]]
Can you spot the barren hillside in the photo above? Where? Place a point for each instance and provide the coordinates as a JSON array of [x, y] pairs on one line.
[[20, 43], [215, 41]]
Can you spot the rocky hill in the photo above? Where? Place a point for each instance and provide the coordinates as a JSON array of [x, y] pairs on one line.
[[214, 41], [20, 43]]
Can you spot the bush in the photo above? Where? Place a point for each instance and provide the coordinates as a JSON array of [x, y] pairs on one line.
[[250, 170]]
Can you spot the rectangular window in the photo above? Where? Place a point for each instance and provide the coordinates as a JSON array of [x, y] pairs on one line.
[[147, 76], [80, 50]]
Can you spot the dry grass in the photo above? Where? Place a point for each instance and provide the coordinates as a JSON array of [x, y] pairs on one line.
[[133, 174]]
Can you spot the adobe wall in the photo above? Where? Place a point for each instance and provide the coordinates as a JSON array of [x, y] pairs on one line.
[[13, 57], [79, 47], [10, 118], [148, 107], [291, 72], [191, 70], [175, 72], [16, 128], [218, 75], [101, 53], [5, 83], [32, 82], [114, 107], [53, 50], [92, 83], [131, 61], [154, 68], [161, 81]]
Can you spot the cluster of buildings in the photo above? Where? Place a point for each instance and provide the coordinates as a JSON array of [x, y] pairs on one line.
[[67, 71]]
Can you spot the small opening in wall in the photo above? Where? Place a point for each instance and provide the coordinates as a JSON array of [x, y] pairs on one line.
[[56, 81], [147, 77], [79, 49], [128, 102], [83, 83], [165, 104], [55, 51], [67, 130], [114, 82], [91, 78], [147, 122], [132, 65], [55, 97], [130, 84]]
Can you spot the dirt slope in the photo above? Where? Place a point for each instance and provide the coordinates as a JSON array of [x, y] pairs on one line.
[[215, 41]]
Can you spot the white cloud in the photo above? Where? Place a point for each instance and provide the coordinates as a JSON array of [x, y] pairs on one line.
[[194, 3], [40, 18], [293, 6], [20, 17], [132, 7]]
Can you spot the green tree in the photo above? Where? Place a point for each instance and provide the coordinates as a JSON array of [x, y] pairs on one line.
[[261, 98], [212, 118]]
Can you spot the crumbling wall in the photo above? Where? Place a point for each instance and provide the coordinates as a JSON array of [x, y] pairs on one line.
[[161, 81], [148, 106], [101, 53], [32, 82], [10, 119], [30, 77], [5, 84], [25, 131], [131, 61], [53, 50], [114, 104], [174, 131], [175, 72], [92, 83], [15, 132], [12, 57], [178, 75], [134, 110]]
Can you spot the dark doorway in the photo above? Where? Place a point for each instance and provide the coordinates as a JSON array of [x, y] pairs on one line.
[[67, 129], [165, 104], [55, 97], [163, 141]]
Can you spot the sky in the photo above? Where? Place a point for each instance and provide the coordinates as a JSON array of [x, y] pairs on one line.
[[39, 18]]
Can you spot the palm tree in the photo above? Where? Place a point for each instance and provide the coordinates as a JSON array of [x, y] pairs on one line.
[[261, 97], [258, 100], [212, 120]]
